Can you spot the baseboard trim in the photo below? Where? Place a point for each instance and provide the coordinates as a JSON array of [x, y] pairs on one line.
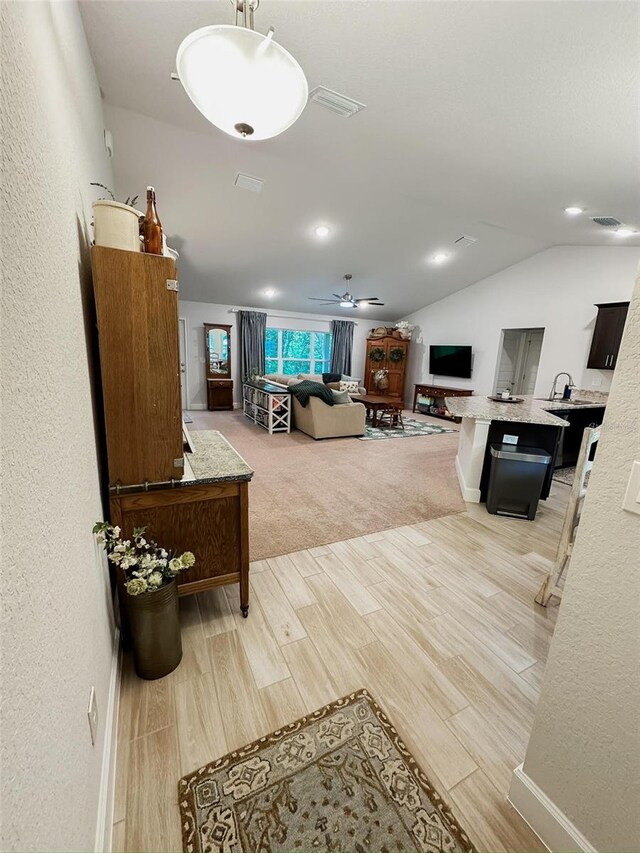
[[549, 823], [196, 407], [106, 802], [468, 494]]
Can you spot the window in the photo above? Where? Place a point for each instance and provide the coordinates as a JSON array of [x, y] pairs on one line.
[[291, 352]]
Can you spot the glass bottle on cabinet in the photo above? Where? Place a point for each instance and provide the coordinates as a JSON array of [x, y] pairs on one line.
[[217, 339]]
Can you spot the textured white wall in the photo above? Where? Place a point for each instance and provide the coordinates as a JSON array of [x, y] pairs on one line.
[[555, 290], [198, 313], [56, 625], [584, 751]]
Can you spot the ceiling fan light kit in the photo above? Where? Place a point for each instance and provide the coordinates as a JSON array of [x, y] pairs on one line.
[[346, 300], [244, 83]]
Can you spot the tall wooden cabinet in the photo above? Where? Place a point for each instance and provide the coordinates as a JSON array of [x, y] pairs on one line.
[[206, 511], [607, 335], [386, 353], [137, 310]]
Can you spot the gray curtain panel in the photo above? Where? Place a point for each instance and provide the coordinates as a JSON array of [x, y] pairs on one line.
[[341, 346], [252, 327]]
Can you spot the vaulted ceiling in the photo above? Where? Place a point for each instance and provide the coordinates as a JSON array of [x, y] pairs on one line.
[[482, 118]]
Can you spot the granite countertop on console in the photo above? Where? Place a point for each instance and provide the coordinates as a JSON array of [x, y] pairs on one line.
[[213, 461], [530, 411]]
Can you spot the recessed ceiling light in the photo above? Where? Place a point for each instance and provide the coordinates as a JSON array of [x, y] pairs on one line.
[[624, 231], [440, 257], [574, 211], [322, 231], [269, 292]]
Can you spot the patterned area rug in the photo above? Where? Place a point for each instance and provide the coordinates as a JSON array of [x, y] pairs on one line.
[[339, 779], [411, 428]]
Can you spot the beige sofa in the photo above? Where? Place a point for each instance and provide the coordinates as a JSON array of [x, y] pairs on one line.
[[319, 420]]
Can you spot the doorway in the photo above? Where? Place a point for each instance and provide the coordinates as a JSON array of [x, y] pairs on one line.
[[518, 361], [182, 338]]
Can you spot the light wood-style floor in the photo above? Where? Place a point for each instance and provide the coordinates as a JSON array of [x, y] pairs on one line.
[[437, 620]]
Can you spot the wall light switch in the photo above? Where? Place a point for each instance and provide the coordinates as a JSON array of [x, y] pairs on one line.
[[631, 500], [509, 439]]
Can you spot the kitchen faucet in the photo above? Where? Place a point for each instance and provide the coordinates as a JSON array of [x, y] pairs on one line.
[[554, 393]]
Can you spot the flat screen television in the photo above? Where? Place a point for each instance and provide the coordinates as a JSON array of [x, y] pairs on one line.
[[450, 361]]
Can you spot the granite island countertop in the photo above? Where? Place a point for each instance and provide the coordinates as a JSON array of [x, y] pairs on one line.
[[530, 411], [214, 460]]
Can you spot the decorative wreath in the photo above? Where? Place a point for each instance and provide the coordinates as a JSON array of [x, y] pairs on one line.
[[396, 354], [376, 354]]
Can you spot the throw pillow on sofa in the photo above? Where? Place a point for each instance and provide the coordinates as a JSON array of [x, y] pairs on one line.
[[351, 386], [340, 397]]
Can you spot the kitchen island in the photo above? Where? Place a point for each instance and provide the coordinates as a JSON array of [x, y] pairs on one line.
[[533, 422]]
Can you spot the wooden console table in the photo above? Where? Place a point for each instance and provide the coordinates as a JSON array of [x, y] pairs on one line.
[[440, 392]]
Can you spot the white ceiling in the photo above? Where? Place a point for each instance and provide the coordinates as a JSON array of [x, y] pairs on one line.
[[483, 118]]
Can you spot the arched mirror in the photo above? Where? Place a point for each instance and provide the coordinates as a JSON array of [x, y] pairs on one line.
[[218, 350]]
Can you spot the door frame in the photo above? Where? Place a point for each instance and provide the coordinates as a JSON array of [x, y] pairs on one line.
[[521, 357], [184, 387]]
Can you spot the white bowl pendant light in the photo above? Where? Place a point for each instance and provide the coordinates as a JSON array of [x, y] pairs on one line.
[[243, 82]]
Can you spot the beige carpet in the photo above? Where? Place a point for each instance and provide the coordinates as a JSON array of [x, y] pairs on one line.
[[307, 493], [339, 779]]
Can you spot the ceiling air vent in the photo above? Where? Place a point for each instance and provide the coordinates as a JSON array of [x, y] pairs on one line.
[[340, 104], [465, 241], [246, 182], [607, 221]]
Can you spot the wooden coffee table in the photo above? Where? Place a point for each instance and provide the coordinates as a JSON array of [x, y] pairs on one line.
[[377, 405]]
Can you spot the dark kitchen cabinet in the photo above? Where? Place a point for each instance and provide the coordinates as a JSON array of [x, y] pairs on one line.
[[571, 437], [607, 335]]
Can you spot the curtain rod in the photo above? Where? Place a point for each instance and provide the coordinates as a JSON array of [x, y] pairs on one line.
[[321, 317]]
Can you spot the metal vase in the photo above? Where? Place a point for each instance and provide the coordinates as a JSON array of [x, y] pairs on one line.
[[154, 619]]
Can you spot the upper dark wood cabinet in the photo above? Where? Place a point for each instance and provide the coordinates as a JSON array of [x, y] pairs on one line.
[[607, 335], [217, 340]]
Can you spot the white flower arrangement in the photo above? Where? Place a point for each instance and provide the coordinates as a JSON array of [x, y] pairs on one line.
[[405, 328], [147, 567]]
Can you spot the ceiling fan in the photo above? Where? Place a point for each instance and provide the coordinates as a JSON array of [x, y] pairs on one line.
[[346, 300]]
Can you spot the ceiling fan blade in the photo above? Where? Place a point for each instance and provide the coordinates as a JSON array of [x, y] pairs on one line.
[[323, 299], [338, 297], [376, 304], [367, 299]]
